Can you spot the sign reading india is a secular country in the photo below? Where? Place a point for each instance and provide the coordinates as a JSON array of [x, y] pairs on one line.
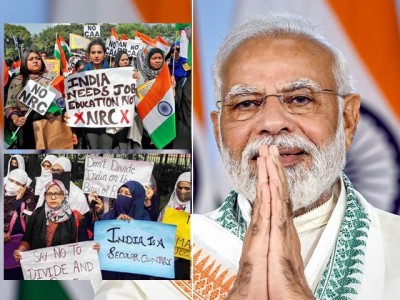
[[36, 97], [70, 261], [105, 175], [101, 98], [138, 247]]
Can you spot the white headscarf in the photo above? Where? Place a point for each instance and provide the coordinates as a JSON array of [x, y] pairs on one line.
[[77, 199], [21, 166], [19, 175], [174, 201], [45, 176]]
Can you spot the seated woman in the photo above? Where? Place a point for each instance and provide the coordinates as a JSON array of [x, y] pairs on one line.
[[53, 223]]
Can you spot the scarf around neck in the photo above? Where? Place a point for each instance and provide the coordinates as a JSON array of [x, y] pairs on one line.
[[342, 277]]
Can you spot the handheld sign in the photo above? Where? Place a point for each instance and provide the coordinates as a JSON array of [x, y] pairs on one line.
[[132, 47], [101, 98], [70, 261], [182, 240], [91, 31], [105, 175], [36, 97], [138, 247]]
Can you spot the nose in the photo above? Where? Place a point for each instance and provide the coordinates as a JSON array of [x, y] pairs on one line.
[[273, 119]]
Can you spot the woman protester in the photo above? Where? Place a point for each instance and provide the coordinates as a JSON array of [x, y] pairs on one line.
[[46, 175], [120, 134], [148, 65], [53, 223], [38, 131], [128, 206]]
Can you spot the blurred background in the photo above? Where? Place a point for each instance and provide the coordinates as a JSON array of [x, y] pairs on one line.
[[367, 33]]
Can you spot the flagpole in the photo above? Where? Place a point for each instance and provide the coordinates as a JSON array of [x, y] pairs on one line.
[[16, 131]]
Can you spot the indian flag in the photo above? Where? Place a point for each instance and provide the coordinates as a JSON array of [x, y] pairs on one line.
[[157, 110], [59, 53], [65, 47]]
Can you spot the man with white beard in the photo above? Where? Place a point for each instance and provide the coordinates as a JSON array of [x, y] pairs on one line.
[[287, 113]]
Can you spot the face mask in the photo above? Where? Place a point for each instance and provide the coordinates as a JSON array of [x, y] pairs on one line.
[[11, 188], [12, 168], [46, 172], [65, 178]]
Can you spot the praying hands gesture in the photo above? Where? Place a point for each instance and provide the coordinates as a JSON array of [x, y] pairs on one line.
[[271, 265]]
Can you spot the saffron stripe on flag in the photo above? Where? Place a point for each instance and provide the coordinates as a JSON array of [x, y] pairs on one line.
[[160, 87], [163, 135]]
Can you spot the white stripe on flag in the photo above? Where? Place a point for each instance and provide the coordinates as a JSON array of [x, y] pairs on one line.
[[154, 119]]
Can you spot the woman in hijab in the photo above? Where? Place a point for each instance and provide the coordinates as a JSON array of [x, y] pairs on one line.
[[37, 131], [181, 196], [129, 204], [16, 162], [54, 223], [45, 176], [61, 170]]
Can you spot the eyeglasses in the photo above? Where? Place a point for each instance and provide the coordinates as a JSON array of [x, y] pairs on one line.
[[57, 171], [298, 102], [55, 194]]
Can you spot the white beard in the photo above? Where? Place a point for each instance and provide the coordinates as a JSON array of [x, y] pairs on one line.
[[306, 183]]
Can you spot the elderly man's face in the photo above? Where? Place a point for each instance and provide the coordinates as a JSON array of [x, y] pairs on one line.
[[262, 67]]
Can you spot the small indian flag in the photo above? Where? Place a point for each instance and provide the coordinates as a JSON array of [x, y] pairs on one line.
[[65, 47], [157, 110]]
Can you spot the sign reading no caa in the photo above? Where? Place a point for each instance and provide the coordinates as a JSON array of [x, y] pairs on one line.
[[91, 31], [36, 97]]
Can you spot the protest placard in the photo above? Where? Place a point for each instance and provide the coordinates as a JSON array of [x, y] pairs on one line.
[[78, 42], [70, 261], [138, 247], [132, 47], [36, 97], [182, 239], [105, 175], [52, 65], [101, 98], [91, 31]]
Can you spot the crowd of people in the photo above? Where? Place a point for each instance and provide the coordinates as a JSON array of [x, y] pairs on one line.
[[31, 130], [52, 210]]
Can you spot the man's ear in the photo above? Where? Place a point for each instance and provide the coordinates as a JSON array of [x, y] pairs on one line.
[[351, 114], [215, 120]]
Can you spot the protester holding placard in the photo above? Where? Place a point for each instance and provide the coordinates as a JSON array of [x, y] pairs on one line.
[[53, 223], [38, 131], [120, 134], [152, 202], [181, 196]]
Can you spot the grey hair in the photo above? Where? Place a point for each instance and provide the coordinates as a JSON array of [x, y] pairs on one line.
[[280, 25]]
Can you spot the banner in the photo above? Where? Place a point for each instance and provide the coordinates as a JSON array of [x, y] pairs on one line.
[[132, 47], [91, 31], [138, 247], [36, 97], [52, 65], [105, 175], [78, 42], [182, 239], [101, 98], [70, 261]]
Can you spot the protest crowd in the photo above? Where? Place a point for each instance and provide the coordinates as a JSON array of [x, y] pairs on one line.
[[96, 217], [125, 92]]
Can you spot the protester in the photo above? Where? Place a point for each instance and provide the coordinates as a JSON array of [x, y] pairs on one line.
[[120, 134], [80, 64], [95, 213], [181, 196], [61, 170], [35, 131], [176, 63], [45, 175], [97, 138], [53, 223], [152, 201], [148, 66], [16, 161]]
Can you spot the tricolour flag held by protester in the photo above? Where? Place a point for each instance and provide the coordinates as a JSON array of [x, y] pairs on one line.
[[65, 47], [162, 44], [58, 104], [114, 35], [146, 39], [60, 54], [157, 110]]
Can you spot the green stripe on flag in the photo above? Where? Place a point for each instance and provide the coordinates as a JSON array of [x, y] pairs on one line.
[[165, 133], [42, 289]]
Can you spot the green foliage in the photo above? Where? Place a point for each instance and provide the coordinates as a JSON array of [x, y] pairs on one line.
[[19, 31]]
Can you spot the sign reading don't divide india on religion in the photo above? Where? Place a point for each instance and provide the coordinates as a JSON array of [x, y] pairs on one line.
[[105, 175], [101, 98]]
